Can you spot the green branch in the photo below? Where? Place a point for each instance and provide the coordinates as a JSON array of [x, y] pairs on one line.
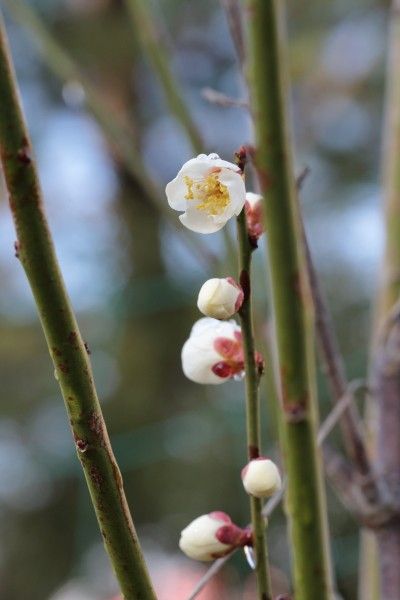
[[306, 506], [149, 40], [37, 255], [252, 380], [390, 286]]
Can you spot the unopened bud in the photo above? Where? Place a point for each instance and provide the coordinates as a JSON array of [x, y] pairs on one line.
[[261, 477], [211, 536], [220, 298], [254, 216]]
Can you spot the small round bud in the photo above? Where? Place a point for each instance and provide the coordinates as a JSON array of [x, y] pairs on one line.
[[261, 478], [220, 298], [211, 536]]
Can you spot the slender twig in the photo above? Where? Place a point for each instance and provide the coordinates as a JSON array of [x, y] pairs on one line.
[[149, 39], [252, 380], [233, 12], [220, 99], [37, 255], [270, 506], [116, 129], [306, 504], [335, 372]]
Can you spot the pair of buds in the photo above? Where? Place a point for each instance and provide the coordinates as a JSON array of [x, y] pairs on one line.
[[214, 535]]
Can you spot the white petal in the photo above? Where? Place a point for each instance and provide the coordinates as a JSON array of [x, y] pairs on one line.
[[176, 191], [200, 222], [237, 191], [197, 363]]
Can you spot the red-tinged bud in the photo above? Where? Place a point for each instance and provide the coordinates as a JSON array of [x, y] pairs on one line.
[[254, 216], [212, 536]]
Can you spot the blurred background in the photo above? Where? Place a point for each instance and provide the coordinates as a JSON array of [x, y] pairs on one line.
[[134, 277]]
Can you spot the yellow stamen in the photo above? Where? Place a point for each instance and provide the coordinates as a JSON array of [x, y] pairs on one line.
[[212, 195]]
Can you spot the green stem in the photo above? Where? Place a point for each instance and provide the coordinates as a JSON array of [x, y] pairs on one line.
[[67, 349], [252, 381], [115, 128], [390, 287], [149, 39], [306, 505]]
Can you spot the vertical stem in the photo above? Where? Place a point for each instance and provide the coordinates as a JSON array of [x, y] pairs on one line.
[[306, 505], [390, 286], [387, 394], [389, 289], [36, 251], [252, 381], [149, 39]]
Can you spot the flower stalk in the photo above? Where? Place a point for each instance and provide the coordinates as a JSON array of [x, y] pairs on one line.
[[252, 380], [306, 506], [36, 252]]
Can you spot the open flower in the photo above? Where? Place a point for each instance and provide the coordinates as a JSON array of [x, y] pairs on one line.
[[254, 216], [212, 536], [214, 351], [220, 298], [209, 191], [261, 477]]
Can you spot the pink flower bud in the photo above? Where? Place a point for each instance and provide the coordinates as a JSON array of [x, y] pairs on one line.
[[261, 477], [214, 352], [254, 216], [212, 536]]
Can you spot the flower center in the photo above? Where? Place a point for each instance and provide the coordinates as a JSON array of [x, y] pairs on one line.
[[212, 195]]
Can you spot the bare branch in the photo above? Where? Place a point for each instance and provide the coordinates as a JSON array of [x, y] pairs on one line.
[[334, 369], [235, 21], [220, 99]]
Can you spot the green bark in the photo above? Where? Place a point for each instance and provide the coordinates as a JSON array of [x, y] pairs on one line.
[[305, 502], [36, 252]]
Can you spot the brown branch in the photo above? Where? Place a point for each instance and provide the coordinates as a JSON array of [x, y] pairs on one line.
[[335, 372], [386, 380]]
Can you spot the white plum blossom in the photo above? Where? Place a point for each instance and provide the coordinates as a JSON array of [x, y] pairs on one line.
[[211, 536], [214, 351], [254, 216], [261, 477], [220, 298], [209, 191]]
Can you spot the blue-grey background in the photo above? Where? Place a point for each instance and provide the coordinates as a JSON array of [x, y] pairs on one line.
[[133, 283]]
